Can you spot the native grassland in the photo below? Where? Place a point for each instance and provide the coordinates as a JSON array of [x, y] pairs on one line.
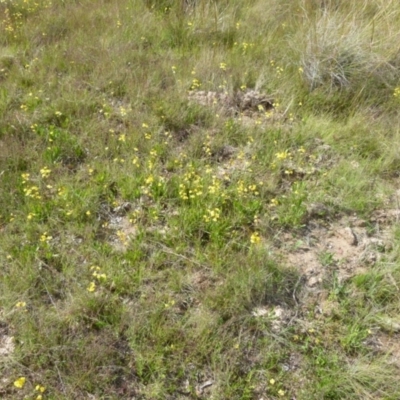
[[154, 245]]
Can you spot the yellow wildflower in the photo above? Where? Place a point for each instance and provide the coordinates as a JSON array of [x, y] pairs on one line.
[[92, 287], [255, 238], [282, 155], [40, 388], [20, 382], [45, 172]]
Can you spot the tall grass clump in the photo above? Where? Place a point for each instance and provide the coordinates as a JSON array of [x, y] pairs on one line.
[[350, 49]]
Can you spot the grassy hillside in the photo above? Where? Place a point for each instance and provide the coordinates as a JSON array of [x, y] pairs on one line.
[[200, 199]]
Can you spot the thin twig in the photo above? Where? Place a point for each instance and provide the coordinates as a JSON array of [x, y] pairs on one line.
[[167, 250], [61, 381], [48, 294]]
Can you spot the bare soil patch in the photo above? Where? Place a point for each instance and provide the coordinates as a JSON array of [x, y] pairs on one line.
[[247, 106], [346, 247]]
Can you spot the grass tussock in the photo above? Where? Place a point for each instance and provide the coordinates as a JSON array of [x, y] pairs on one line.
[[199, 201]]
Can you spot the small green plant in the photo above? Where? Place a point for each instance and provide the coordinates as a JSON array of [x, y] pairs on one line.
[[326, 259]]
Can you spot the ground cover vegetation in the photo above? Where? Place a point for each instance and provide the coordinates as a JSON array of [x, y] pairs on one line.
[[199, 200]]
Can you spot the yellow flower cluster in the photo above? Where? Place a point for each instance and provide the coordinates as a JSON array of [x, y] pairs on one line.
[[279, 71], [25, 177], [45, 238], [212, 215], [92, 287], [195, 84], [45, 172], [243, 189], [40, 389], [169, 304], [135, 161], [152, 159], [273, 203], [192, 185], [134, 216], [207, 146], [244, 46], [62, 191], [283, 155], [123, 237], [150, 183], [32, 192], [147, 135], [20, 382], [255, 238], [215, 186], [281, 392], [98, 275]]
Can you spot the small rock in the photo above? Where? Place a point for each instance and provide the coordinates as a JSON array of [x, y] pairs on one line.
[[6, 345], [253, 100], [313, 281], [370, 257], [324, 147], [388, 324], [259, 312], [317, 210], [329, 308], [359, 223], [205, 385], [225, 152], [279, 319], [349, 235], [375, 242], [122, 209]]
